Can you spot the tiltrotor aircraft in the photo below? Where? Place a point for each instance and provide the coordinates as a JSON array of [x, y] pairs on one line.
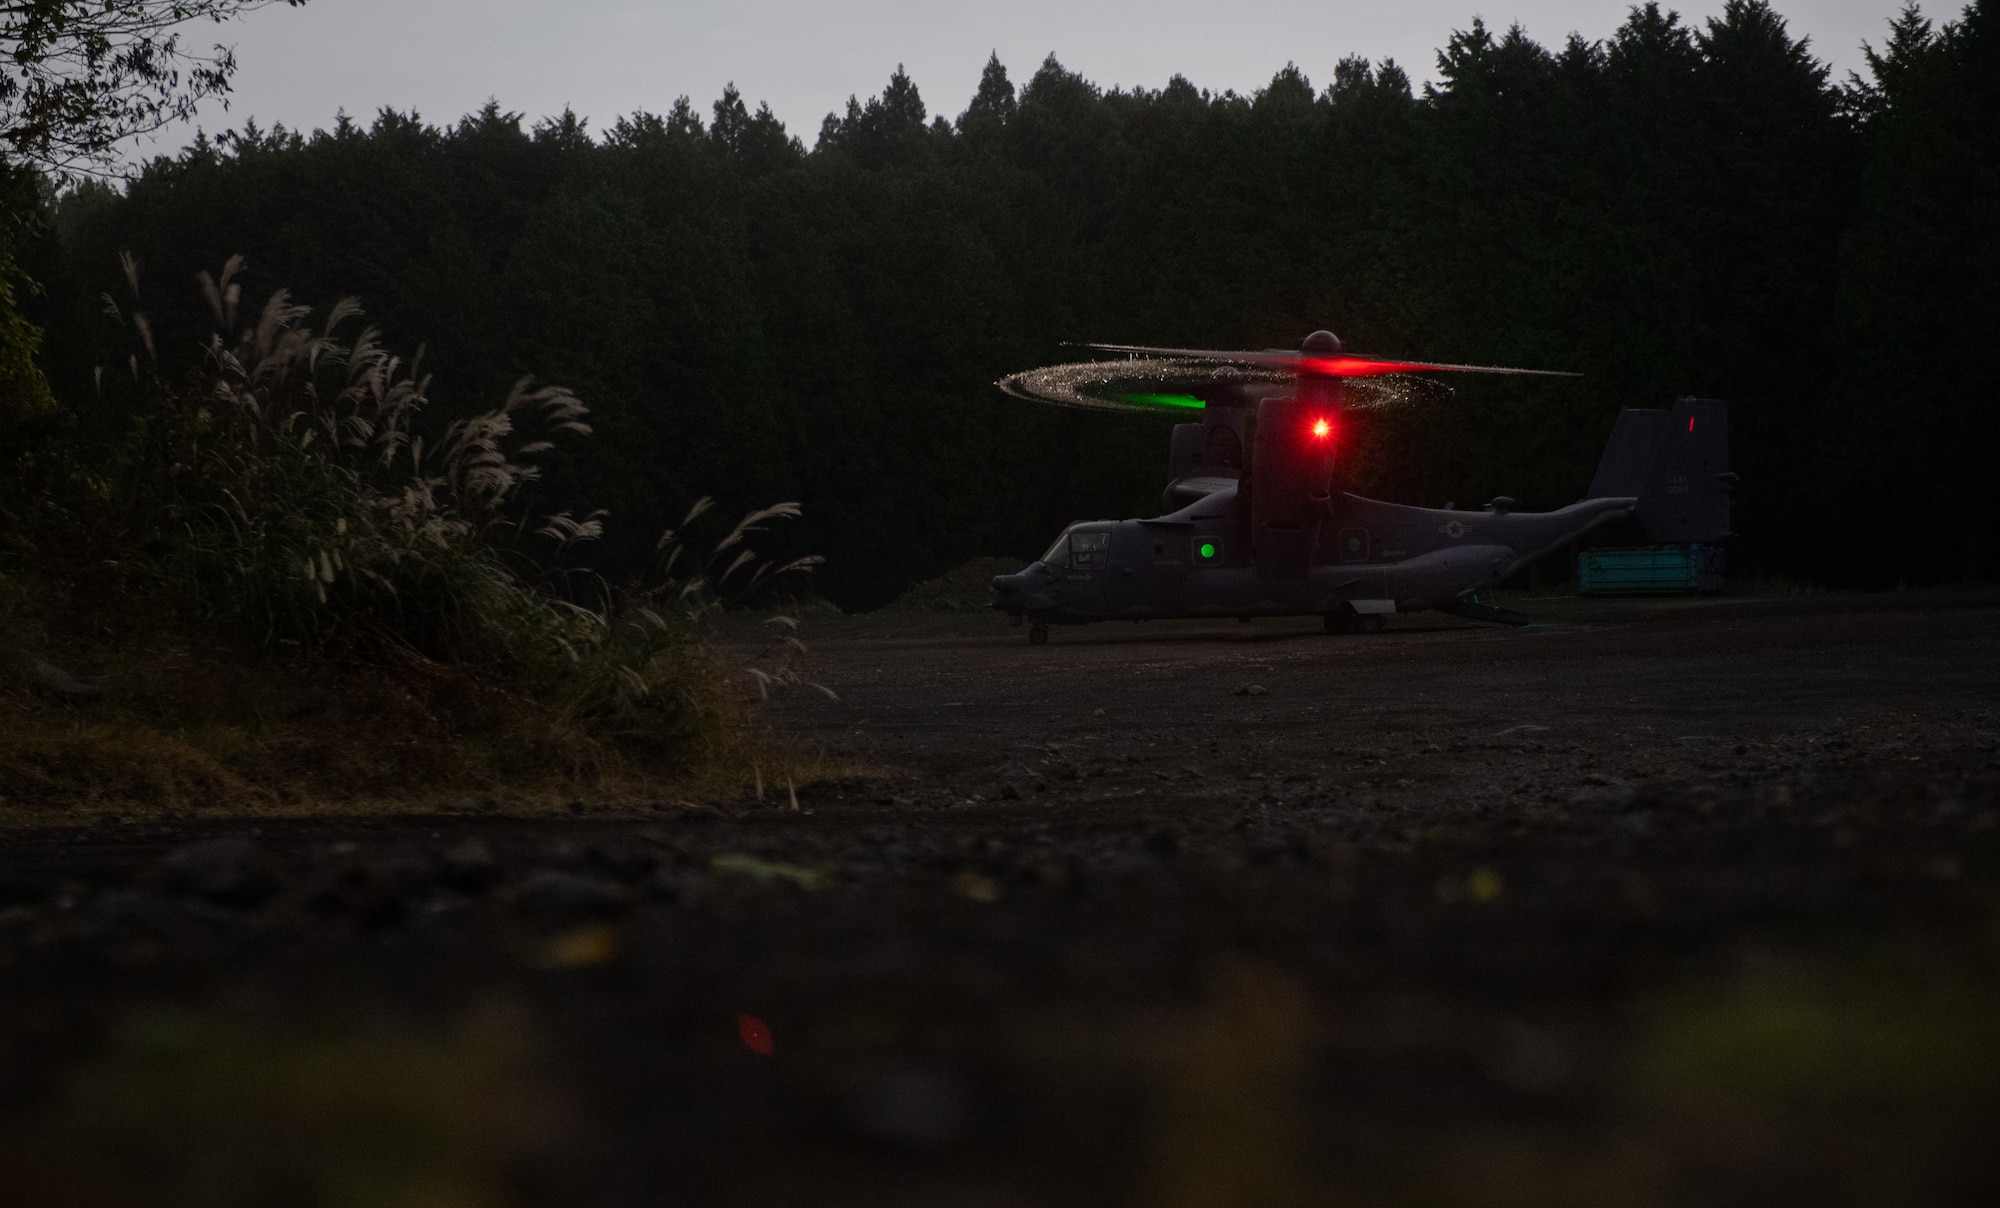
[[1267, 534]]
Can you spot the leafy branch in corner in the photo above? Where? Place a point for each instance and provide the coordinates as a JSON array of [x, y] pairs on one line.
[[84, 74]]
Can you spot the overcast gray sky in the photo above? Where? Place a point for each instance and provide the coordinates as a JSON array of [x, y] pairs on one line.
[[604, 58]]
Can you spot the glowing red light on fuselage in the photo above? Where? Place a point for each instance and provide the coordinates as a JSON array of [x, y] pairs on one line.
[[1322, 429]]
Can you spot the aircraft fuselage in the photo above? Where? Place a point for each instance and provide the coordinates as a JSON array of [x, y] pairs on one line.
[[1370, 558]]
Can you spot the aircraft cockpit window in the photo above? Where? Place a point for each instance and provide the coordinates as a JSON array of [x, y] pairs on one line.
[[1087, 551], [1059, 552]]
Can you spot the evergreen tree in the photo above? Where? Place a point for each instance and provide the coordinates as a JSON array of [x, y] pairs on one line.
[[1672, 210], [992, 106], [1911, 437]]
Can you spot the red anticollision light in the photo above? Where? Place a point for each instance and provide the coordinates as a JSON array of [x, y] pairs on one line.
[[1322, 429], [756, 1035], [1690, 423]]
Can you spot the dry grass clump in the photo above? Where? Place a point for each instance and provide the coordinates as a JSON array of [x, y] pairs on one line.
[[108, 764], [257, 583]]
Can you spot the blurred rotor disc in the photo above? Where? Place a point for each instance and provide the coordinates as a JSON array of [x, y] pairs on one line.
[[1164, 385]]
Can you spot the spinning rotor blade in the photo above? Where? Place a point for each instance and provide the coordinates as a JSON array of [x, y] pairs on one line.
[[1155, 385], [1168, 386], [1338, 364]]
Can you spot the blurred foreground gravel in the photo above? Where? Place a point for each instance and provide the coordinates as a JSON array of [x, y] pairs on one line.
[[1687, 902]]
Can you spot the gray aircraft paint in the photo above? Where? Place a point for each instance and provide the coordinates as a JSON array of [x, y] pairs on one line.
[[1667, 469]]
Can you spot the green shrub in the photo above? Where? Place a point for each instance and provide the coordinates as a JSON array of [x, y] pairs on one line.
[[287, 498]]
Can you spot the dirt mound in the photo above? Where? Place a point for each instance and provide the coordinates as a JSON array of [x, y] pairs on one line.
[[967, 589]]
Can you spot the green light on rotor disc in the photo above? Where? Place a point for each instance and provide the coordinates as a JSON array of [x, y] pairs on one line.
[[1162, 400]]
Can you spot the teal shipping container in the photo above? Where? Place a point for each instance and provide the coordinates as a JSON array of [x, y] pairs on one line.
[[1658, 570]]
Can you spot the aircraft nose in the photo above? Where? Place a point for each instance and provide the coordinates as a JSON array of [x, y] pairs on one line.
[[1021, 593]]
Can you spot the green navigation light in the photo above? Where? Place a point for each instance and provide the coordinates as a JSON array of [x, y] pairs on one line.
[[1162, 400], [1207, 549]]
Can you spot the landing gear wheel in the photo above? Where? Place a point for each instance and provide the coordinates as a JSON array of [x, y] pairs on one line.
[[1039, 635], [1372, 623]]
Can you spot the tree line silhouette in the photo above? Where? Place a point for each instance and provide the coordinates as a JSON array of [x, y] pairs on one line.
[[1680, 209]]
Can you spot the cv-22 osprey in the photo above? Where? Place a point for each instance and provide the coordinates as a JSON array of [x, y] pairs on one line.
[[1268, 535]]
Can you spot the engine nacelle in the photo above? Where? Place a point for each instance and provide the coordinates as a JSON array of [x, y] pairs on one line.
[[1211, 449], [1291, 472]]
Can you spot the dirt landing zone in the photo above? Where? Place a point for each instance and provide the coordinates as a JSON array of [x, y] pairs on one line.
[[1651, 904]]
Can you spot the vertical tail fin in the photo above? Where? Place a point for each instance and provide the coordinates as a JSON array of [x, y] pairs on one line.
[[1621, 471], [1686, 496], [1676, 463]]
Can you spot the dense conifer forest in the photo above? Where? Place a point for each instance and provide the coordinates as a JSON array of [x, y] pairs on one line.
[[1681, 209]]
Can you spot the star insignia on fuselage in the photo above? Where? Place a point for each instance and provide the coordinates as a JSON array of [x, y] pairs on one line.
[[1453, 529]]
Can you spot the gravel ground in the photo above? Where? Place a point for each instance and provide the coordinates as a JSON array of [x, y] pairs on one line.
[[1677, 902]]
